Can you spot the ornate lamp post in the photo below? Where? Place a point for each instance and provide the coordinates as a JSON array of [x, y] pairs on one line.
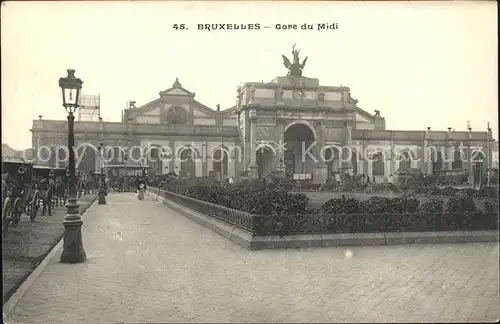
[[125, 184], [222, 154], [143, 168], [73, 251], [488, 155], [102, 189]]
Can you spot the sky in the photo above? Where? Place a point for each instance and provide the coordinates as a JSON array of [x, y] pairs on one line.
[[420, 63]]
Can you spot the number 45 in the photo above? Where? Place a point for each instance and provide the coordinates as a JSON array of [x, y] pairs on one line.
[[181, 26]]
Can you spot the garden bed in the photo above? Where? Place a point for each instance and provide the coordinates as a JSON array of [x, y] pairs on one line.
[[276, 211]]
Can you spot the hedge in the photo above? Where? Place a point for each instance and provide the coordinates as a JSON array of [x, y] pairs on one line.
[[279, 212]]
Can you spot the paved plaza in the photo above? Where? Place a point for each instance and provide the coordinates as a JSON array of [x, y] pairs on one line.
[[147, 263]]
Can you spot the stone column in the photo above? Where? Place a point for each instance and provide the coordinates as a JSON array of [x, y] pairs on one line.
[[204, 154], [347, 141], [365, 166], [253, 168], [489, 153], [171, 162], [422, 156], [37, 143], [280, 153], [427, 157], [449, 156], [320, 170], [391, 158], [470, 170]]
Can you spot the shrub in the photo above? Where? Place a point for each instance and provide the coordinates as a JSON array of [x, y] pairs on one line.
[[460, 204], [468, 192], [290, 203], [491, 207], [341, 205], [404, 204], [435, 191], [432, 207], [487, 192], [450, 191], [279, 212], [376, 205], [255, 199]]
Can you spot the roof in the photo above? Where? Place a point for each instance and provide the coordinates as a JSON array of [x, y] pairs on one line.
[[42, 167], [14, 159], [177, 85], [364, 113]]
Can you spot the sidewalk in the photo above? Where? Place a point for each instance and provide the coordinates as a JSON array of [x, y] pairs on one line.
[[29, 242], [148, 264]]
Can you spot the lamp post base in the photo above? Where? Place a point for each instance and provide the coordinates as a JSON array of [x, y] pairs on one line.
[[102, 196], [73, 251]]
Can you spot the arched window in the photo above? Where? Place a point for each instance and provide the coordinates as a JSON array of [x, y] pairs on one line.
[[177, 116], [478, 167], [85, 158], [378, 164], [154, 160], [437, 161], [332, 161], [113, 155], [187, 163], [218, 160], [404, 161]]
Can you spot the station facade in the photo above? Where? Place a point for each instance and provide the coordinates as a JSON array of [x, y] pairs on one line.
[[290, 125]]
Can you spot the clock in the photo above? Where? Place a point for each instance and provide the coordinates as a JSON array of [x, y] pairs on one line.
[[298, 93]]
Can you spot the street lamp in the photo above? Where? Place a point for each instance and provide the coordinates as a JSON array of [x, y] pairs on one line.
[[143, 167], [102, 189], [222, 155], [73, 251], [125, 184]]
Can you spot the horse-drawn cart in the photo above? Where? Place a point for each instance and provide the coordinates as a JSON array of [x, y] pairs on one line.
[[17, 191]]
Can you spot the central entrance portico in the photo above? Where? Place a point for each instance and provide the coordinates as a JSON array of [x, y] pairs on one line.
[[298, 138], [292, 120]]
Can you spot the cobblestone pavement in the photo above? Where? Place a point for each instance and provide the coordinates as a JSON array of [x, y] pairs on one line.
[[26, 245], [148, 263]]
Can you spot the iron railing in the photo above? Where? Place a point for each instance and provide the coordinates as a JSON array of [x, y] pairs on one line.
[[240, 219]]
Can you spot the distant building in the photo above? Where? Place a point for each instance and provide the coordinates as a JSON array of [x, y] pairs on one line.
[[292, 109]]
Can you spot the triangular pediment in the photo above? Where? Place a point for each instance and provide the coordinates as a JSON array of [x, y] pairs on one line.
[[153, 111], [361, 119], [147, 108], [201, 113], [363, 116], [178, 92]]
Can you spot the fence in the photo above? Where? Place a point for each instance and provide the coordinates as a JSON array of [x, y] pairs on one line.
[[240, 219]]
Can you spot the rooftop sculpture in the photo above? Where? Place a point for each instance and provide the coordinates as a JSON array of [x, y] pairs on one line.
[[295, 68]]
